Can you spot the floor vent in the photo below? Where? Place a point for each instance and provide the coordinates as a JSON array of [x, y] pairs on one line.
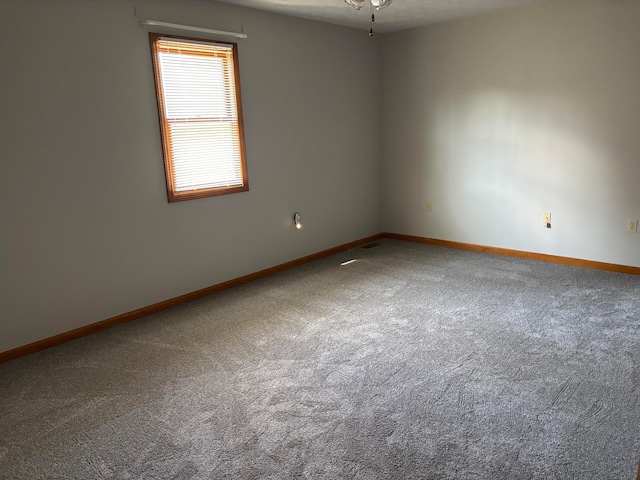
[[370, 245]]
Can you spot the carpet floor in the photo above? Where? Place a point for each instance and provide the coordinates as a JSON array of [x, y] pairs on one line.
[[411, 362]]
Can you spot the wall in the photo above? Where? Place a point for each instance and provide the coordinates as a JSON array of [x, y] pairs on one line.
[[87, 232], [498, 118]]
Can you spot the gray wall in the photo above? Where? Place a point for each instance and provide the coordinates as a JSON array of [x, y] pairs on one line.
[[493, 119], [498, 118], [86, 230]]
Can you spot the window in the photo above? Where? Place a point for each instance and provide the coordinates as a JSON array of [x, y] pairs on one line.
[[200, 111]]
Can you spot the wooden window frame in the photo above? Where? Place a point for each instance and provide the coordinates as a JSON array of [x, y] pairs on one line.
[[172, 194]]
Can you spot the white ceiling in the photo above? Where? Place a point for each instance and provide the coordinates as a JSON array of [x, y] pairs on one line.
[[400, 15]]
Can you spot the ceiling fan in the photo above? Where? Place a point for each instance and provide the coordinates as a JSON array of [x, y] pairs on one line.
[[373, 4], [377, 4]]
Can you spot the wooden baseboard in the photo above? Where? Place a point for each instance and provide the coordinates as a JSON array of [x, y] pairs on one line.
[[172, 302], [576, 262]]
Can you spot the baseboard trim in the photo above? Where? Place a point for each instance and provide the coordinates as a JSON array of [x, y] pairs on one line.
[[173, 302], [576, 262], [188, 297]]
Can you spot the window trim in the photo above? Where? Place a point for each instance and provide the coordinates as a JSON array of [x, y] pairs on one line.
[[172, 194]]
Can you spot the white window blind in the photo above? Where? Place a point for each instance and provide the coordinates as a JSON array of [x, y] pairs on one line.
[[202, 137]]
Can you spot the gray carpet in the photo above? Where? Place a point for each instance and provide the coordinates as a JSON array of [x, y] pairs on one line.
[[412, 362]]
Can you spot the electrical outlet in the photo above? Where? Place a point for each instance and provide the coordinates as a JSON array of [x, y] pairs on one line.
[[632, 226], [429, 207], [546, 219]]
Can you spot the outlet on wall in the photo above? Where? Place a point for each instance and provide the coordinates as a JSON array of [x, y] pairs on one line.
[[546, 219], [632, 225], [428, 207]]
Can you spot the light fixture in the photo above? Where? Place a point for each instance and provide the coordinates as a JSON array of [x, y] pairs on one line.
[[297, 221], [377, 4]]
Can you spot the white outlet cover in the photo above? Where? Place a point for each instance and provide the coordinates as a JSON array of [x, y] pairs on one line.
[[632, 226]]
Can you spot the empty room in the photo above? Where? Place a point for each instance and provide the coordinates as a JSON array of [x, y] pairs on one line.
[[324, 239]]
